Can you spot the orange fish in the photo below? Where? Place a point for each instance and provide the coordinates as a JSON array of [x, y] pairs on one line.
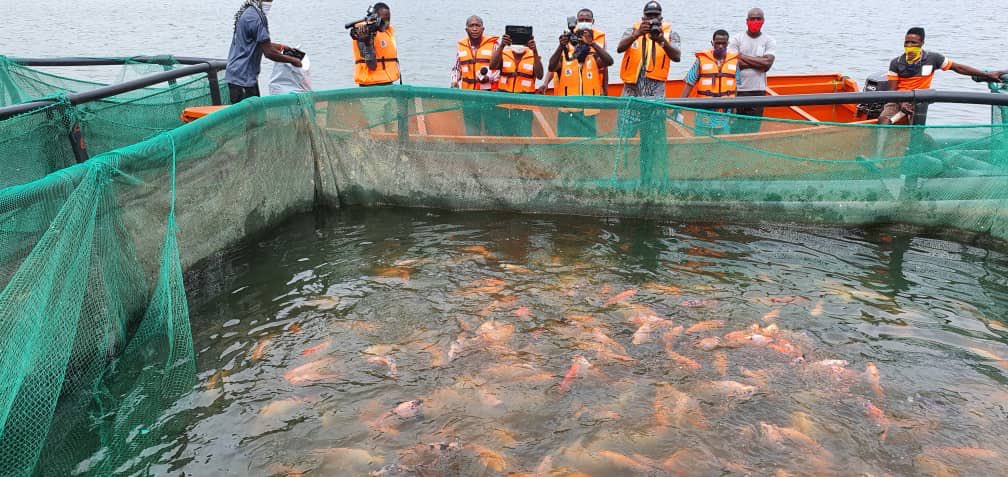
[[394, 272], [874, 379], [683, 361], [479, 250], [818, 309], [772, 315], [217, 379], [579, 365], [495, 332], [260, 349], [877, 416], [487, 286], [317, 348], [507, 267], [705, 252], [721, 363], [705, 326], [930, 466], [666, 289], [621, 297], [673, 407], [492, 460], [522, 312], [294, 328], [311, 372], [963, 452], [389, 362], [709, 344]]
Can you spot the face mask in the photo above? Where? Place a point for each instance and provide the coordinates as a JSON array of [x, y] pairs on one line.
[[518, 49], [754, 25], [720, 52], [583, 26], [913, 53], [266, 6]]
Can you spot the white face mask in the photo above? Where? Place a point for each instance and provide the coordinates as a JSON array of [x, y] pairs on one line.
[[518, 49], [266, 6]]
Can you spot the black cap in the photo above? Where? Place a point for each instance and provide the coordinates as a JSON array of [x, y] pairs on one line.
[[652, 7]]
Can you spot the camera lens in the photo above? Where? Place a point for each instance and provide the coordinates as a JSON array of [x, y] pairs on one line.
[[484, 70]]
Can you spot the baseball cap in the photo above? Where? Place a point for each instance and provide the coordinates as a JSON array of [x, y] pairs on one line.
[[652, 7]]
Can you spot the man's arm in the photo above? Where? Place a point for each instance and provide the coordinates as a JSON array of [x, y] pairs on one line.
[[630, 37], [603, 57], [554, 61], [274, 52], [537, 69], [761, 63], [691, 78], [671, 46], [497, 60], [971, 71]]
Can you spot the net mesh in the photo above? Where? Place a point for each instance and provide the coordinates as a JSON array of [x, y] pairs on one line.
[[98, 357], [35, 144]]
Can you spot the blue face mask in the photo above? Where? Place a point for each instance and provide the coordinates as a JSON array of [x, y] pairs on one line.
[[720, 52]]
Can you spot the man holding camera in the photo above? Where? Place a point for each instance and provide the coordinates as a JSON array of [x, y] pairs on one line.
[[520, 66], [472, 71], [376, 59], [579, 63], [249, 43], [648, 49]]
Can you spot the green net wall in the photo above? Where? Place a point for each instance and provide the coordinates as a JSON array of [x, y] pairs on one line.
[[37, 143], [97, 353]]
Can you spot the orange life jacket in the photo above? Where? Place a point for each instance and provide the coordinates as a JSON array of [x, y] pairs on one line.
[[517, 76], [716, 81], [657, 64], [470, 65], [387, 56], [577, 79]]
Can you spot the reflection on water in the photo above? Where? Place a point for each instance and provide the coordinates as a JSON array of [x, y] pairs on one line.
[[407, 342]]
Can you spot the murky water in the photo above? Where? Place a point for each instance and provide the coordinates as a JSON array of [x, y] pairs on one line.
[[540, 345]]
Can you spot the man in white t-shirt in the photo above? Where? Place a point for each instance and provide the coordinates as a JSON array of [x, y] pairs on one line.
[[757, 52]]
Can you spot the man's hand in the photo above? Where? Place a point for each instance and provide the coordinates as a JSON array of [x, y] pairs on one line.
[[541, 89], [643, 29], [361, 31], [564, 40], [532, 45], [587, 37], [294, 61], [996, 76], [454, 84], [506, 40]]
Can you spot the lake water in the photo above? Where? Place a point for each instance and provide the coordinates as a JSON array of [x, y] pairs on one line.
[[423, 342], [856, 38]]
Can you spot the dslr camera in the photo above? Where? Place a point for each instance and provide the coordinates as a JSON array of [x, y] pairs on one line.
[[574, 29], [655, 25]]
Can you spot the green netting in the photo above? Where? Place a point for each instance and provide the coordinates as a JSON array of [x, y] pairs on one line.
[[37, 143], [98, 357]]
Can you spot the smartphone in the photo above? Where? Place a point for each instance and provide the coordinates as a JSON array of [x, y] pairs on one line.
[[520, 35]]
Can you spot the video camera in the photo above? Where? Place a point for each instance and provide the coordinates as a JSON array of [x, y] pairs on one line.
[[372, 23], [655, 27]]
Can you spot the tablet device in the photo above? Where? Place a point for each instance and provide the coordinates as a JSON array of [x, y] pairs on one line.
[[520, 35]]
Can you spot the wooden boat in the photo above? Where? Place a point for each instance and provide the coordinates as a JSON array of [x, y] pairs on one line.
[[801, 145]]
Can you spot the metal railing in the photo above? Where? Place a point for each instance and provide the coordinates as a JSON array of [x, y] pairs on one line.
[[194, 66]]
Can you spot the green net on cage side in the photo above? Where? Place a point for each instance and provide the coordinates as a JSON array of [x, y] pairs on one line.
[[98, 363], [37, 143]]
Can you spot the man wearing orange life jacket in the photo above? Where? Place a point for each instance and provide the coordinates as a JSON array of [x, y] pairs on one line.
[[584, 15], [472, 71], [520, 66], [648, 48], [715, 74], [383, 68], [579, 63]]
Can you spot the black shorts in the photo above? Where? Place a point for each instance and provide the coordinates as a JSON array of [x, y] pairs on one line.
[[239, 93]]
